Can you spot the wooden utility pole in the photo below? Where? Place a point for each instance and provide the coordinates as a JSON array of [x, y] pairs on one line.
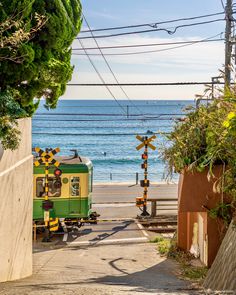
[[228, 42]]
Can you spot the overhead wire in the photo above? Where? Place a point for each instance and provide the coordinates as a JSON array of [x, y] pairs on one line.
[[101, 78], [153, 51], [167, 30], [151, 84], [97, 127], [108, 65], [148, 45], [107, 106], [104, 115], [95, 134], [152, 24], [106, 120], [222, 4]]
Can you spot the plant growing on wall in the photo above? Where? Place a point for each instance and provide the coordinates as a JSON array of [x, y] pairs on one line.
[[205, 138]]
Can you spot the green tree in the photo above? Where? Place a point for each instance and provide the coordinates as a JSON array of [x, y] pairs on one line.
[[37, 64], [10, 111]]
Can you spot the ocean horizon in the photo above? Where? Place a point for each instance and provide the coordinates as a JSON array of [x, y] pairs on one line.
[[105, 131]]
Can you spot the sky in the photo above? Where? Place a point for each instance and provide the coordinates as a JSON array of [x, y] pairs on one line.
[[198, 62]]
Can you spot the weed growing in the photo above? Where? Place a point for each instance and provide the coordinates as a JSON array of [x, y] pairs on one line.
[[168, 247]]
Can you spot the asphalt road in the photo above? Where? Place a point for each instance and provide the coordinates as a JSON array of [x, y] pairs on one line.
[[118, 200]]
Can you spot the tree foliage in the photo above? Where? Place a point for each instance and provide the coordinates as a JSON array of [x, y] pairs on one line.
[[10, 111], [38, 63]]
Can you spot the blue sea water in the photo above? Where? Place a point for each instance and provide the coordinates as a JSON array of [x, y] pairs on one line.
[[105, 131]]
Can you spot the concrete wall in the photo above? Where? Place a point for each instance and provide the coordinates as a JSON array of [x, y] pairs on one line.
[[16, 170]]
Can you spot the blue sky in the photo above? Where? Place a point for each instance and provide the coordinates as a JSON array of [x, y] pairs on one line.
[[197, 62]]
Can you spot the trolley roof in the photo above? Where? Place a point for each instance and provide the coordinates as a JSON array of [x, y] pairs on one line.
[[68, 164]]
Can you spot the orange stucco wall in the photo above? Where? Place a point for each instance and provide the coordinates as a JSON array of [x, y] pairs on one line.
[[195, 194]]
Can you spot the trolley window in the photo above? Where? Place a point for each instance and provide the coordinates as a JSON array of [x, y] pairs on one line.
[[54, 187], [75, 186]]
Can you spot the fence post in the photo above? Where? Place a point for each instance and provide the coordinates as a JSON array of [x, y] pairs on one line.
[[153, 208], [136, 177]]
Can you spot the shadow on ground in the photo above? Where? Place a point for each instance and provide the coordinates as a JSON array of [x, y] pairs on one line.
[[153, 280]]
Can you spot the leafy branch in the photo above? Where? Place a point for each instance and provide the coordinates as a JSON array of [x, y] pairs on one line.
[[14, 32], [10, 111]]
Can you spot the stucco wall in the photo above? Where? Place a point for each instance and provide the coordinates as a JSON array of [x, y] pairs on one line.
[[16, 171]]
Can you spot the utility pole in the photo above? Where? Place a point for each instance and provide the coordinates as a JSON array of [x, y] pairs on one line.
[[228, 42]]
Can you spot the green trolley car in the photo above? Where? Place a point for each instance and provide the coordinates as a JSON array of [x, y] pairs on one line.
[[69, 192]]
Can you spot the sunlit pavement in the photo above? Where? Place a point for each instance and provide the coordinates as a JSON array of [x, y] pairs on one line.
[[111, 257]]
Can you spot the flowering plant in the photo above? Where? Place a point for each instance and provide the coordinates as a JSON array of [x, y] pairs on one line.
[[205, 138]]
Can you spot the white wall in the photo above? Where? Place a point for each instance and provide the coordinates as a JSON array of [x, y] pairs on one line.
[[16, 170]]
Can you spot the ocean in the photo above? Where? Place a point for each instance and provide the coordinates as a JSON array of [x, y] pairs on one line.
[[105, 131]]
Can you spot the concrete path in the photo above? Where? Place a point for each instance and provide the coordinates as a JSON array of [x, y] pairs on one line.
[[112, 257], [105, 269]]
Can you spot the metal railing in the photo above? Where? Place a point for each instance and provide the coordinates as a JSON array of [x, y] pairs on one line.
[[135, 177]]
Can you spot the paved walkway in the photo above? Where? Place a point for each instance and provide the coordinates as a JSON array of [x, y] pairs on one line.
[[105, 269], [108, 258]]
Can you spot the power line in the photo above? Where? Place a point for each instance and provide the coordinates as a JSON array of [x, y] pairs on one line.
[[100, 76], [150, 44], [94, 134], [108, 65], [152, 24], [107, 120], [96, 127], [109, 106], [222, 4], [105, 115], [169, 31], [148, 51], [149, 84]]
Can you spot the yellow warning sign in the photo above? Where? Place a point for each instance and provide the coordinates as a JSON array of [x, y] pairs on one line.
[[145, 142]]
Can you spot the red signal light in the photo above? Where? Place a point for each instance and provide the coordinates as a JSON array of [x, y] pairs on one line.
[[144, 156], [57, 172]]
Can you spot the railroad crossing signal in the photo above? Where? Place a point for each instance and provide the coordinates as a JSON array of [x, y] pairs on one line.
[[146, 143], [46, 158]]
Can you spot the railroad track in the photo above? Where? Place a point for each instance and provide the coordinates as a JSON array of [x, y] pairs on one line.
[[160, 224]]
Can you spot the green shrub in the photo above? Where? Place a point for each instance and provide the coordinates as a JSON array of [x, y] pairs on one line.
[[205, 138], [157, 239], [168, 247], [164, 246]]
